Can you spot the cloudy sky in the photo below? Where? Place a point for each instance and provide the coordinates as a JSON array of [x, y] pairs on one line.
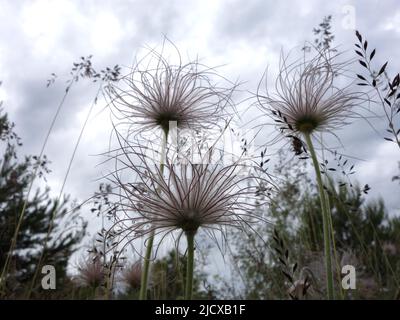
[[39, 37]]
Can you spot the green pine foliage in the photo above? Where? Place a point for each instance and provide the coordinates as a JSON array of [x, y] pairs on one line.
[[68, 231], [365, 236]]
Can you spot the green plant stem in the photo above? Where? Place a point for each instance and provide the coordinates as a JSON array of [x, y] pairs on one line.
[[325, 219], [334, 244], [146, 267], [146, 264], [189, 265]]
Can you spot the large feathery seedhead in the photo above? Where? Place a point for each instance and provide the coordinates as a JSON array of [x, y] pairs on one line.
[[307, 99], [156, 92], [183, 196]]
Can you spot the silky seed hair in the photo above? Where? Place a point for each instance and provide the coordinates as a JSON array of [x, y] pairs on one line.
[[182, 196], [307, 98], [155, 92], [131, 275], [91, 272]]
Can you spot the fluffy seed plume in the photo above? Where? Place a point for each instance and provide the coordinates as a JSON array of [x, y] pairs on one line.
[[132, 275], [91, 272], [156, 92], [307, 99], [183, 197]]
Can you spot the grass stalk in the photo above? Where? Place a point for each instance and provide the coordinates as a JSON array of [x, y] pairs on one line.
[[13, 244], [54, 215]]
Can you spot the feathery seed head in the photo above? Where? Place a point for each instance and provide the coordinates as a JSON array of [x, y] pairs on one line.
[[186, 196], [307, 99], [91, 272], [132, 275], [156, 92]]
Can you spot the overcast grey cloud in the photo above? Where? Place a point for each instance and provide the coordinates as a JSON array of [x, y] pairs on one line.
[[38, 37]]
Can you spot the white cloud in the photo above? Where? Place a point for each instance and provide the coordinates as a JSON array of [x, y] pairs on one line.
[[44, 21], [392, 23], [378, 171], [107, 32]]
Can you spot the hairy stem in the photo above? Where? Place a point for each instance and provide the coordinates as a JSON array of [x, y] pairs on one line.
[[334, 245], [146, 263], [325, 219], [189, 265], [146, 267]]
